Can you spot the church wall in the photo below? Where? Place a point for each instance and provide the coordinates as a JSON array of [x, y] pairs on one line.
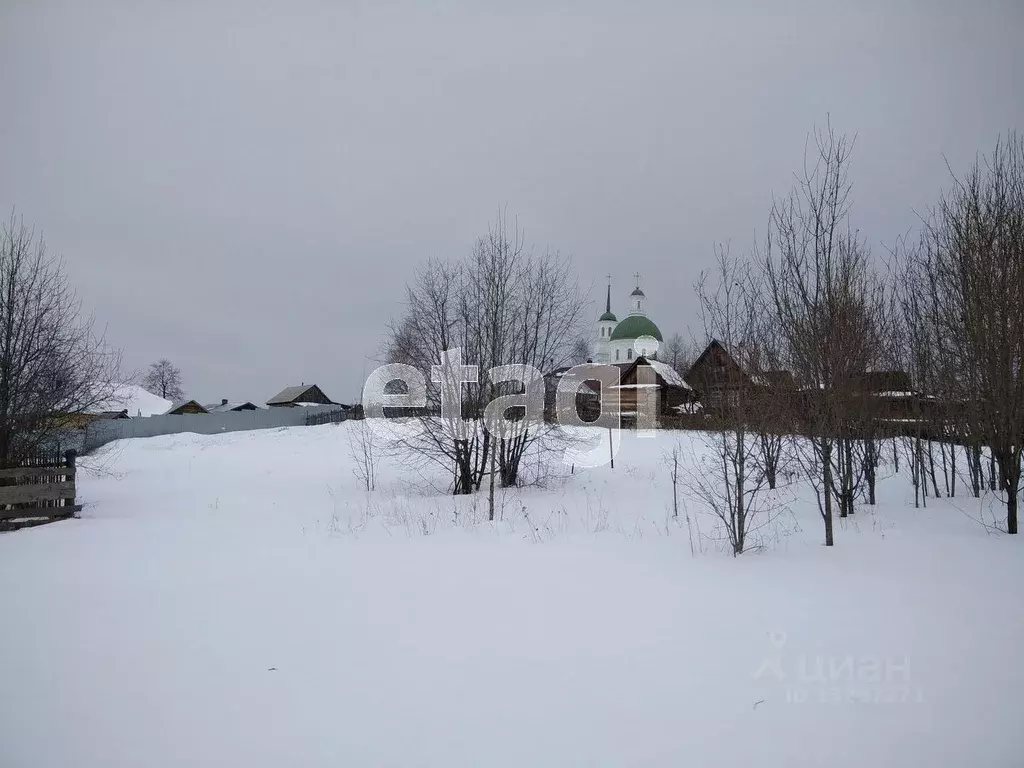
[[622, 346]]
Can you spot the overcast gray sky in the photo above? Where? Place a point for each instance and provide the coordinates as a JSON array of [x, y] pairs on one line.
[[243, 187]]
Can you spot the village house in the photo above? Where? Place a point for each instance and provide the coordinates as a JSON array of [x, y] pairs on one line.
[[588, 396], [303, 394], [722, 383], [83, 420], [639, 379], [725, 381], [186, 406], [892, 401], [644, 378]]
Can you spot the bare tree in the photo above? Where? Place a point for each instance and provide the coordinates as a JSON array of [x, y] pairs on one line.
[[731, 476], [164, 379], [971, 267], [580, 352], [917, 348], [52, 364], [501, 306], [421, 338], [827, 304], [679, 352]]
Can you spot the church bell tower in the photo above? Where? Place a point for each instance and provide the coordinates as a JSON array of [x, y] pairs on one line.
[[603, 330]]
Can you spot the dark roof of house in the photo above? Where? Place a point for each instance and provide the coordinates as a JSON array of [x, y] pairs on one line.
[[222, 407], [871, 381], [774, 378], [886, 381], [713, 344], [122, 414], [294, 394], [182, 403]]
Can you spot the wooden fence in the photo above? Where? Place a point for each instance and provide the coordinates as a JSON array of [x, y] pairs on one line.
[[39, 490], [334, 417]]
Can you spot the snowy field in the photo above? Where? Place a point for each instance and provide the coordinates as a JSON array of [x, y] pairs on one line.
[[239, 600]]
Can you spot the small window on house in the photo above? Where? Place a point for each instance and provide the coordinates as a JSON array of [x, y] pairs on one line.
[[629, 353], [616, 354]]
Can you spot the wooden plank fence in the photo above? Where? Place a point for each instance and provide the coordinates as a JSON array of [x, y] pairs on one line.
[[41, 489], [333, 417]]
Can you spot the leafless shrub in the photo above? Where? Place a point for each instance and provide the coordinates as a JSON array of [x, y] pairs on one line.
[[674, 459], [363, 452]]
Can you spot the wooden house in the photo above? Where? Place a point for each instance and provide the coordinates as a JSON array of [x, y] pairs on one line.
[[304, 394], [588, 396], [84, 419], [638, 379], [645, 378], [186, 406], [722, 381], [717, 377], [890, 398]]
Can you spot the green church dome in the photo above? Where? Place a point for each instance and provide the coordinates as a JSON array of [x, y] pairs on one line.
[[608, 316], [635, 326]]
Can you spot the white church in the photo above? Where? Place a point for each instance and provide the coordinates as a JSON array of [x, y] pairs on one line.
[[620, 341]]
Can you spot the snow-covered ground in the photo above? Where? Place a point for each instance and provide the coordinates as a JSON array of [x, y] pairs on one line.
[[239, 600]]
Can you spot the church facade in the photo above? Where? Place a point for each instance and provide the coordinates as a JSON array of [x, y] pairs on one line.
[[621, 341]]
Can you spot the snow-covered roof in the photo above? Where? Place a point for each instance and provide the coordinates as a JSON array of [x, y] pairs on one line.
[[223, 407], [133, 399], [586, 387], [668, 373]]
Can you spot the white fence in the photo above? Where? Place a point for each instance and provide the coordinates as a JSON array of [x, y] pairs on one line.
[[101, 432]]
